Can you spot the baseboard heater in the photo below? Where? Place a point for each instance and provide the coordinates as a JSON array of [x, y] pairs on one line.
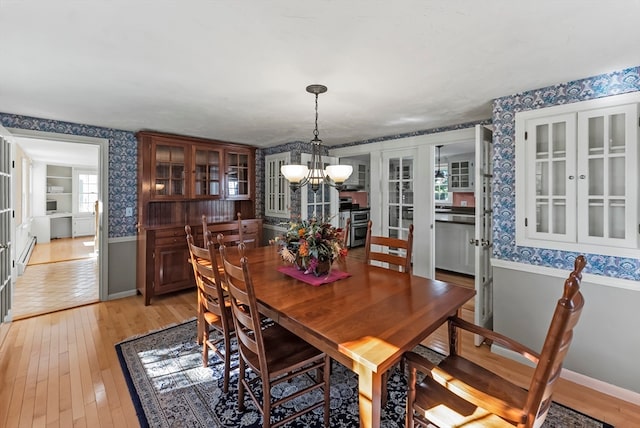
[[26, 254]]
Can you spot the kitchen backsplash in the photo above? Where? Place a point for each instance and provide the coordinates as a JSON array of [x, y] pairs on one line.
[[464, 199], [360, 198]]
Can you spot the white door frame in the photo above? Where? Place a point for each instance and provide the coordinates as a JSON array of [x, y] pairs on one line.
[[103, 196]]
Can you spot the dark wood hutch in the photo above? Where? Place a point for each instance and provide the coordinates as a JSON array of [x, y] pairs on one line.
[[179, 179]]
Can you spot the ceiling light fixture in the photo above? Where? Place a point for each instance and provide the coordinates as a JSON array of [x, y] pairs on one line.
[[440, 177], [316, 174]]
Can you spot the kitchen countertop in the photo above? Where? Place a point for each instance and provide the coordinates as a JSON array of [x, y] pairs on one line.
[[469, 219]]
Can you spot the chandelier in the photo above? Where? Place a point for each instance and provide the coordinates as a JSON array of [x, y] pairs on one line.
[[316, 174]]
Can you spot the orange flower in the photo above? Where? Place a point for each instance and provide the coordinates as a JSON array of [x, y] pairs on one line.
[[301, 232], [304, 249]]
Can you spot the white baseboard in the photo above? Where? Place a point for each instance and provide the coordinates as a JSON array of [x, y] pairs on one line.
[[122, 294], [595, 384]]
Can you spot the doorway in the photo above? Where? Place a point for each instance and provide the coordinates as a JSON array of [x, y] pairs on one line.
[[58, 194]]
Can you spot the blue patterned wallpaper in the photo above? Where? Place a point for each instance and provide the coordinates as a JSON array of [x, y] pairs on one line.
[[123, 152], [504, 228]]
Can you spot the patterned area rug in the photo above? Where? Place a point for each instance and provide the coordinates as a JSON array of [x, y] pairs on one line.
[[170, 388]]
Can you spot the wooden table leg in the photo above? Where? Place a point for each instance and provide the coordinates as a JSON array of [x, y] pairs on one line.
[[370, 396]]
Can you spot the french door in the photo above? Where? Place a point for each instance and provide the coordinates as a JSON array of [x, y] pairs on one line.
[[398, 173], [482, 240], [7, 268]]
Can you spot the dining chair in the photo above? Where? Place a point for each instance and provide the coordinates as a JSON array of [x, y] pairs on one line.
[[460, 393], [394, 252], [273, 353], [231, 233], [214, 311], [345, 233]]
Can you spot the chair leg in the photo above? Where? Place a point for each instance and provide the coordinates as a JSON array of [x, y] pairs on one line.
[[266, 403], [326, 372], [227, 363], [205, 347], [241, 387]]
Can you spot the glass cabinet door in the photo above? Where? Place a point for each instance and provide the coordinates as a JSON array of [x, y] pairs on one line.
[[400, 196], [169, 171], [607, 176], [238, 175], [551, 177], [460, 175], [207, 174]]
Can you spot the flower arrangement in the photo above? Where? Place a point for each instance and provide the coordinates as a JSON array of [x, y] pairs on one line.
[[312, 245]]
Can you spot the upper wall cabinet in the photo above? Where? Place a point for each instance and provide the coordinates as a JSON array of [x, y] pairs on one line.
[[188, 168], [461, 175], [577, 177]]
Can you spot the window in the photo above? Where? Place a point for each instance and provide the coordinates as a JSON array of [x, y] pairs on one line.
[[577, 178], [276, 186], [442, 189], [323, 203], [87, 191]]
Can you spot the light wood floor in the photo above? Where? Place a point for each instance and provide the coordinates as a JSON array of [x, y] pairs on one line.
[[61, 369], [61, 274]]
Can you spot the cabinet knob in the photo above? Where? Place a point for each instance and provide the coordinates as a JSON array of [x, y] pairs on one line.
[[571, 177], [582, 176]]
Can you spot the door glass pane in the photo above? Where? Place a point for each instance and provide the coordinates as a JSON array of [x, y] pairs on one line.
[[559, 181], [617, 131], [394, 192], [542, 216], [596, 218], [394, 216], [559, 139], [596, 176], [559, 217], [617, 175], [542, 141], [542, 178], [617, 218], [596, 135], [394, 169]]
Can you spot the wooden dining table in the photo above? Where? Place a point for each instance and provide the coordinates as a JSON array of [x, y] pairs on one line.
[[365, 321]]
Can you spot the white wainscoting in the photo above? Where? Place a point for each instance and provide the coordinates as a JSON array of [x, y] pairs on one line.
[[605, 348]]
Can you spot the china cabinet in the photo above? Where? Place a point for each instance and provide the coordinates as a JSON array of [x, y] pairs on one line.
[[180, 179], [581, 180]]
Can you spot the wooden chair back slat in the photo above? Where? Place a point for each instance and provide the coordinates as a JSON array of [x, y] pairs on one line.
[[396, 252]]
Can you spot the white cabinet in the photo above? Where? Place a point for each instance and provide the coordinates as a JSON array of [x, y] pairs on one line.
[[453, 251], [579, 187], [461, 175], [359, 178], [84, 225]]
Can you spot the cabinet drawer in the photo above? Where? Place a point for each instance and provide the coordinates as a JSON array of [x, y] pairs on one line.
[[170, 233]]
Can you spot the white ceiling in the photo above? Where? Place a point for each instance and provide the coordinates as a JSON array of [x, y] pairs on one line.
[[60, 152], [237, 70]]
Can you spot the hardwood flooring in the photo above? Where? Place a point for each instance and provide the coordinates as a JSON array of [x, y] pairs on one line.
[[60, 275], [61, 369], [64, 249]]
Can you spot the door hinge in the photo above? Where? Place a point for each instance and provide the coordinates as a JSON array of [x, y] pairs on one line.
[[13, 164], [526, 222], [526, 135], [13, 213]]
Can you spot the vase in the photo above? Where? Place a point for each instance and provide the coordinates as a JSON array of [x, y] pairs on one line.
[[322, 268]]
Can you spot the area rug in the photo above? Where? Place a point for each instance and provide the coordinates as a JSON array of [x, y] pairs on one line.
[[170, 388]]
